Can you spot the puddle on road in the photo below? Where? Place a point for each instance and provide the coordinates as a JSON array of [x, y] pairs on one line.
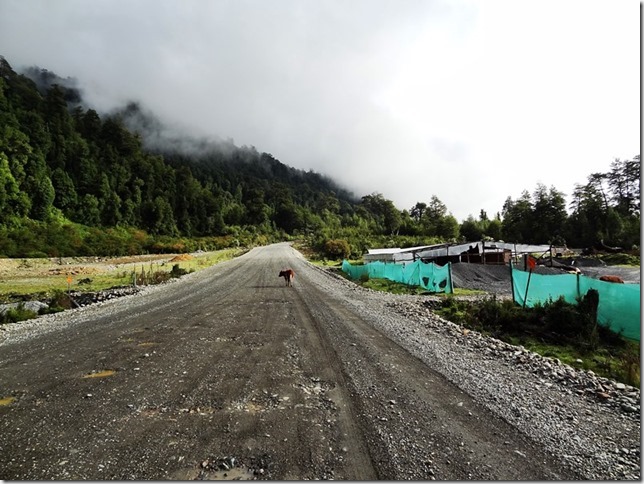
[[6, 401], [236, 474], [100, 374]]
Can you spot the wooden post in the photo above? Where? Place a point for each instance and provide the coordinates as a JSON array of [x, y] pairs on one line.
[[512, 279], [451, 281], [525, 296], [516, 256]]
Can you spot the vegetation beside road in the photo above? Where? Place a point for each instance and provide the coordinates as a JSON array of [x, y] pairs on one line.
[[54, 289], [557, 329]]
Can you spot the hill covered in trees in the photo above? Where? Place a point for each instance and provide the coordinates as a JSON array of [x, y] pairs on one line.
[[77, 182]]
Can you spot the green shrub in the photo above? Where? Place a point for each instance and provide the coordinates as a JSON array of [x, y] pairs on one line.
[[337, 249], [14, 315], [557, 329], [36, 254], [177, 271], [59, 301], [621, 259]]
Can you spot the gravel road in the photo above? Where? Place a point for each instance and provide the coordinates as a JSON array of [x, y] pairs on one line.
[[227, 373]]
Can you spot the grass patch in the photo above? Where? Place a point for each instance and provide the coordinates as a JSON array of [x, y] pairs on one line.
[[14, 315], [556, 329], [386, 285], [621, 259], [46, 286]]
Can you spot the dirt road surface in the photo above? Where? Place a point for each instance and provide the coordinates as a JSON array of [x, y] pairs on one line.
[[230, 374]]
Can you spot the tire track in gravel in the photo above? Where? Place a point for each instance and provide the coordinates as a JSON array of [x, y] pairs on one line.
[[418, 425]]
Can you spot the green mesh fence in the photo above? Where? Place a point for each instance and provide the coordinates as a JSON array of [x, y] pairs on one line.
[[619, 304], [431, 277]]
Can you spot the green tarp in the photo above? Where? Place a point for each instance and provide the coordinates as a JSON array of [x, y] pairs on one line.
[[619, 304], [432, 277]]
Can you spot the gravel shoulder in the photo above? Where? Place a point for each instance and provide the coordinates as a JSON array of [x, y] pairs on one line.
[[227, 370]]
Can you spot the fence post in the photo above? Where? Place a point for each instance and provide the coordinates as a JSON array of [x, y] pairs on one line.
[[512, 280], [527, 286]]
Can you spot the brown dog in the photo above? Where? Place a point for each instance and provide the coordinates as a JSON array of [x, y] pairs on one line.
[[288, 276]]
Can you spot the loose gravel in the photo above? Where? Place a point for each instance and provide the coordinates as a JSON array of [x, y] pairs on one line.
[[593, 424]]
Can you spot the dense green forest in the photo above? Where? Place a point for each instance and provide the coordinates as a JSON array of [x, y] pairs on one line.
[[73, 182]]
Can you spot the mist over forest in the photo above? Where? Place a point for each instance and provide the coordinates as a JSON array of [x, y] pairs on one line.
[[75, 181]]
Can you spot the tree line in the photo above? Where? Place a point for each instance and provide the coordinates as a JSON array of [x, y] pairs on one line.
[[76, 182]]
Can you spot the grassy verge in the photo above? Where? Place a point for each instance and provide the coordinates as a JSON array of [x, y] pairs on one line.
[[558, 329], [43, 287]]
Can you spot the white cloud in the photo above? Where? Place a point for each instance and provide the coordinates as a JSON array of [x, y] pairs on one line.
[[472, 101]]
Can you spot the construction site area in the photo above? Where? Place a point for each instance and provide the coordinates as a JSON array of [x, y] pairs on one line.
[[485, 266]]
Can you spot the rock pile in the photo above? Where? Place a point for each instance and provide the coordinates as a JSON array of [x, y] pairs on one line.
[[82, 299]]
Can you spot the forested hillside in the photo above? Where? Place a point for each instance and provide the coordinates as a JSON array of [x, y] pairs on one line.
[[76, 182]]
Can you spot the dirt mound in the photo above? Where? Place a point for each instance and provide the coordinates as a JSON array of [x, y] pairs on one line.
[[490, 278], [181, 257], [482, 277]]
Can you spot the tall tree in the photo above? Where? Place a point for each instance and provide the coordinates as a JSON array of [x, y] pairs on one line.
[[417, 211], [516, 224], [624, 183], [548, 216]]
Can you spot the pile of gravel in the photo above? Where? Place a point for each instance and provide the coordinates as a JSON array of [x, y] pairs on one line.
[[491, 278]]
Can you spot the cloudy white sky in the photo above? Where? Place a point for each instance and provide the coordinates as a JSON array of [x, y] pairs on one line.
[[469, 100]]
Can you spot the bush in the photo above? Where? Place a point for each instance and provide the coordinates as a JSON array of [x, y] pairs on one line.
[[59, 301], [621, 259], [177, 271], [337, 249], [557, 329], [556, 322], [19, 313]]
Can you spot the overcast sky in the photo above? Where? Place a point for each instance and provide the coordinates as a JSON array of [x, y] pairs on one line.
[[471, 101]]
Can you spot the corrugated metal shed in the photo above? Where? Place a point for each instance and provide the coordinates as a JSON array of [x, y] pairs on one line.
[[393, 254], [385, 255], [450, 252]]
